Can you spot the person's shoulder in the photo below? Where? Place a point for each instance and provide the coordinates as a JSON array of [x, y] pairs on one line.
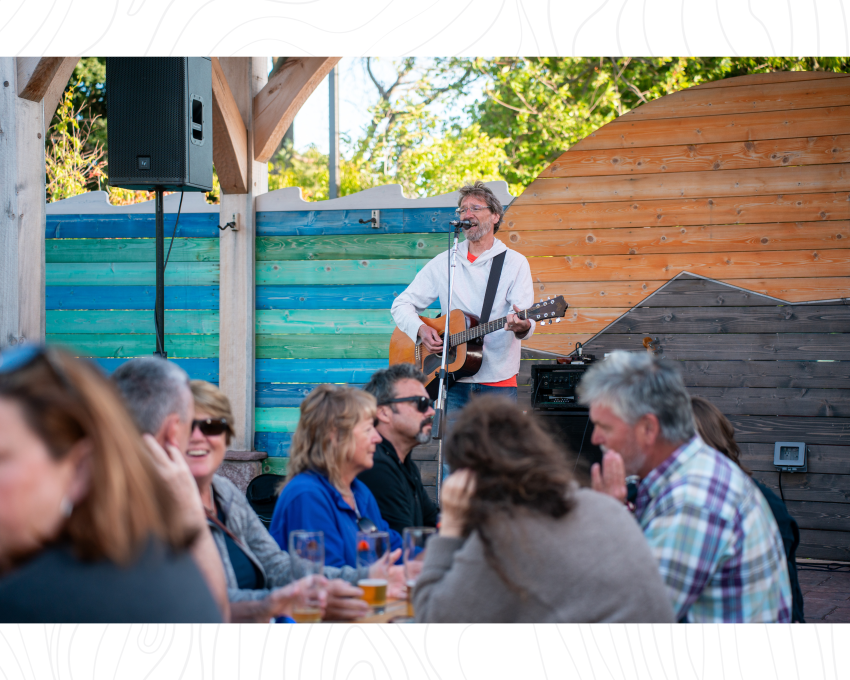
[[304, 484], [226, 489]]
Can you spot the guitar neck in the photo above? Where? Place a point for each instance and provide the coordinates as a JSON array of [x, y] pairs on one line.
[[481, 330]]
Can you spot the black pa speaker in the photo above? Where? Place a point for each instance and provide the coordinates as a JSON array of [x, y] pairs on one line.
[[574, 430], [159, 129]]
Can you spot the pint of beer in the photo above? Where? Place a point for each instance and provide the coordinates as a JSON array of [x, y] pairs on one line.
[[372, 554], [374, 591], [307, 615]]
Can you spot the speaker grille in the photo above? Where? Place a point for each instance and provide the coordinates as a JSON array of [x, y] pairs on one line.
[[147, 117]]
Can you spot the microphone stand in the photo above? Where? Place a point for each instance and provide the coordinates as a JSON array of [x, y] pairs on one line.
[[438, 428]]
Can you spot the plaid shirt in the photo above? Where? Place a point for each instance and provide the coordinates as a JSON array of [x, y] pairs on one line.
[[715, 539]]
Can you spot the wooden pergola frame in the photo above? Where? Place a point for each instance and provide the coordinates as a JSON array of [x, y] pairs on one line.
[[250, 116]]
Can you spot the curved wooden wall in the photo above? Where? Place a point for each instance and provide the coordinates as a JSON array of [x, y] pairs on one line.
[[743, 180]]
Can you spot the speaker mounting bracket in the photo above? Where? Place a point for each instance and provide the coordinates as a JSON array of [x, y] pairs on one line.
[[232, 224]]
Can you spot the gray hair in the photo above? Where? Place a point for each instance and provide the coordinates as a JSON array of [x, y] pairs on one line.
[[153, 389], [482, 191], [636, 384], [382, 384]]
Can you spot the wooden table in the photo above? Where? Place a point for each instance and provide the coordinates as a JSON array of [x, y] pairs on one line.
[[394, 609]]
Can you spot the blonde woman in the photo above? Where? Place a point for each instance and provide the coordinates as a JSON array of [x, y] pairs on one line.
[[334, 442]]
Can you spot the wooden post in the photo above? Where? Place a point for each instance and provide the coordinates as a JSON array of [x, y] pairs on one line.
[[9, 301], [245, 76], [334, 179]]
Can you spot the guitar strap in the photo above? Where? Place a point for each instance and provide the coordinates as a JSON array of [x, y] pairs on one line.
[[492, 283]]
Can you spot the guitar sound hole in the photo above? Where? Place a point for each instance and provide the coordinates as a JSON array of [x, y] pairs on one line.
[[432, 361]]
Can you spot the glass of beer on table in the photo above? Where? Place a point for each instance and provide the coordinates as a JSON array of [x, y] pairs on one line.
[[414, 543], [372, 553], [307, 552]]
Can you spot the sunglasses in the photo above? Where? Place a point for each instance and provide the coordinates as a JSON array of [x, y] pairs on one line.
[[422, 403], [366, 525], [211, 426]]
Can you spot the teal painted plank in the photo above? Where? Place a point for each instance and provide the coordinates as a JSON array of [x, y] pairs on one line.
[[137, 345], [65, 321], [131, 274], [350, 247], [276, 419], [328, 321], [318, 346], [338, 272], [129, 250]]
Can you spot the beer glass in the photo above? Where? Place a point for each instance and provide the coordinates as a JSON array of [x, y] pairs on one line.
[[413, 552], [307, 552], [372, 553]]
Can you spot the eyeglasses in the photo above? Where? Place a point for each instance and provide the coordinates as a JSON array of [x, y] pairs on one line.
[[422, 403], [472, 208], [211, 427]]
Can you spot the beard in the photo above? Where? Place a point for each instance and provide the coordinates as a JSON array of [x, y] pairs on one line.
[[478, 234], [422, 437]]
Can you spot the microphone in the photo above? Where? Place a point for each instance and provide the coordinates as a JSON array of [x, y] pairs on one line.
[[466, 224]]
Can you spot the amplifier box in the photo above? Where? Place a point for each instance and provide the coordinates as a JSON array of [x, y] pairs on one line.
[[553, 386]]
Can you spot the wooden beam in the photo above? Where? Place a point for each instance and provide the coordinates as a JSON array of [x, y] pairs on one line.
[[37, 76], [230, 138], [277, 103], [57, 87]]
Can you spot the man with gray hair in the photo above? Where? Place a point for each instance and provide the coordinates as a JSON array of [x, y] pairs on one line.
[[715, 539], [158, 396], [404, 418], [479, 206]]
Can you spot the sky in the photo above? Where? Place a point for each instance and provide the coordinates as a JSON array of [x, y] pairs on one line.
[[356, 94]]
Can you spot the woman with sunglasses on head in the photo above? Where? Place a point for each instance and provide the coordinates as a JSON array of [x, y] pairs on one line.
[[259, 573], [334, 442], [90, 531]]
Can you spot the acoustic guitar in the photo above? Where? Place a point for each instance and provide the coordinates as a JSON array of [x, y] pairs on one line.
[[466, 342]]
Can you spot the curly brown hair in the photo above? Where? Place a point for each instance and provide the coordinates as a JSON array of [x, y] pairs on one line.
[[516, 464]]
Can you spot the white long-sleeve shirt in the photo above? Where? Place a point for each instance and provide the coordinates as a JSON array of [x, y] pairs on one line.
[[502, 347]]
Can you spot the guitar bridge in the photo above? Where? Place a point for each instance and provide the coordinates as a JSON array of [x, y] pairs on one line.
[[417, 356]]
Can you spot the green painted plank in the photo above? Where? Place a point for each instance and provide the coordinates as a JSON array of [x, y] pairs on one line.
[[322, 346], [276, 419], [109, 321], [337, 272], [137, 345], [129, 250], [350, 247], [131, 274], [275, 466], [328, 321]]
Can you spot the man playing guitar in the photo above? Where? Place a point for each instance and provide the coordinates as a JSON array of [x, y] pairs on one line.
[[501, 355]]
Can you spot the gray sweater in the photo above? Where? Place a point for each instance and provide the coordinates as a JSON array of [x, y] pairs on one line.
[[592, 565], [273, 563]]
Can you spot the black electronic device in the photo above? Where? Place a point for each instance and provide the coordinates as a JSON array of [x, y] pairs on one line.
[[575, 430], [553, 386], [160, 123]]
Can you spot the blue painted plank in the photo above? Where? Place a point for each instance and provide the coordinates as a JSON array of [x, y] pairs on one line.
[[335, 222], [198, 369], [328, 297], [275, 444], [130, 226], [129, 297], [317, 370], [269, 395], [321, 222]]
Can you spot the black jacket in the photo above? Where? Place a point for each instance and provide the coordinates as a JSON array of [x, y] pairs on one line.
[[790, 533], [398, 489]]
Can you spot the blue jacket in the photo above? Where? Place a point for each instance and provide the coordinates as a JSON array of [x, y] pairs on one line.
[[309, 502]]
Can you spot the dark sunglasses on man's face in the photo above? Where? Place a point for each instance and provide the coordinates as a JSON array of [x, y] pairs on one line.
[[211, 426], [422, 403]]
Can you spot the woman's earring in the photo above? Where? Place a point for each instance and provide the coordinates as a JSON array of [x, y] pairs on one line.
[[66, 507]]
